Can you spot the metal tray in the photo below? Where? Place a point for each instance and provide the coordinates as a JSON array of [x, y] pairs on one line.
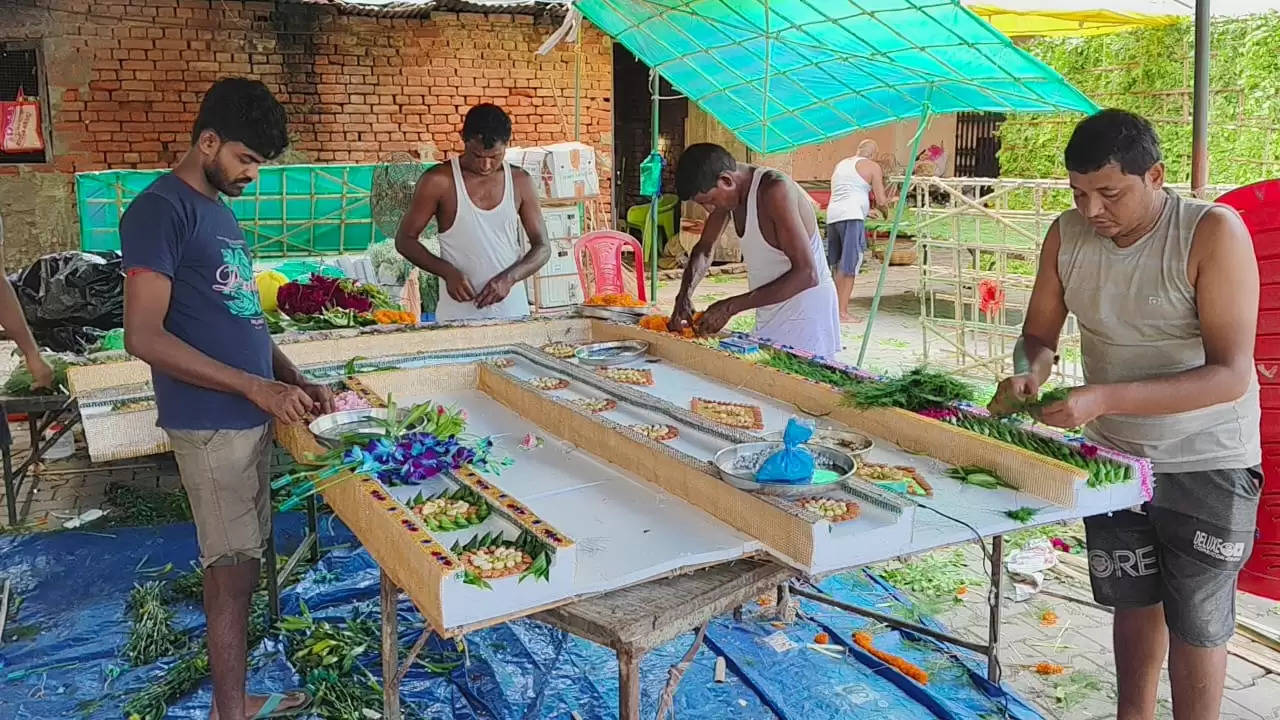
[[611, 353], [625, 315], [851, 443], [738, 464], [331, 428]]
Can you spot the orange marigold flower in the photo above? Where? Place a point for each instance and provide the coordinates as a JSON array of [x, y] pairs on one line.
[[1048, 668], [1048, 618]]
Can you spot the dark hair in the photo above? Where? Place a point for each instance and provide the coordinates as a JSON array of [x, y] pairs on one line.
[[699, 167], [487, 123], [1113, 136], [243, 110]]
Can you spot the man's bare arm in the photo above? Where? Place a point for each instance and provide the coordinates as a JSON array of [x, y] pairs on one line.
[[700, 256], [423, 207], [534, 227], [146, 297], [779, 209], [1226, 285], [1037, 347], [877, 187], [146, 302]]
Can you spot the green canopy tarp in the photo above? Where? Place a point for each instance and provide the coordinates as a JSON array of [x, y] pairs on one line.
[[781, 74]]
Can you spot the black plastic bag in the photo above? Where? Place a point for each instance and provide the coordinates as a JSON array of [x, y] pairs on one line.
[[70, 299], [74, 289]]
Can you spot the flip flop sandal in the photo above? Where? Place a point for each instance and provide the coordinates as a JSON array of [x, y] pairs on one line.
[[300, 700]]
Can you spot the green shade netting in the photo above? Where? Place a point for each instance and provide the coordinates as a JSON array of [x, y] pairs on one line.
[[781, 74]]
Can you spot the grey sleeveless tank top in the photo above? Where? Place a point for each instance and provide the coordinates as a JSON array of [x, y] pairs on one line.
[[1137, 315]]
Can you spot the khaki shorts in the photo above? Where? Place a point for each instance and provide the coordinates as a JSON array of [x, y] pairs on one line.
[[225, 473]]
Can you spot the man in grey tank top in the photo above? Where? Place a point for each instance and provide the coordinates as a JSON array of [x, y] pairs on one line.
[[1165, 291]]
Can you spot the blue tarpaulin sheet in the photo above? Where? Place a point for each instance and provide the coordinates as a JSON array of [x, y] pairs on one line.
[[73, 587]]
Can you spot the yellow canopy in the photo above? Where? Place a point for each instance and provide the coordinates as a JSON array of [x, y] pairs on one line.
[[1076, 23]]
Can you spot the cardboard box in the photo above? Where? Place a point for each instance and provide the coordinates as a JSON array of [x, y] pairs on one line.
[[563, 222], [532, 160], [561, 262], [564, 171], [556, 291], [572, 170]]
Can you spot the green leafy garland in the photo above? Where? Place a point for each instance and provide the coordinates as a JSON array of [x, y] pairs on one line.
[[915, 390]]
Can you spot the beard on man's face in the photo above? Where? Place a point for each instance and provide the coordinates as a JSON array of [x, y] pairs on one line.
[[220, 179]]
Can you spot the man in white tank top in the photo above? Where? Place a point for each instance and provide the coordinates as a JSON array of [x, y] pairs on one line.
[[1165, 292], [791, 288], [479, 203], [854, 182]]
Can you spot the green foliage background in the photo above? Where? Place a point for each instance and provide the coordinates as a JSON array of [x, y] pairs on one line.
[[1150, 72]]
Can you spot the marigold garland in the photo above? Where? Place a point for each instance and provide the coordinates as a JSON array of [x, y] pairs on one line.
[[661, 323], [614, 300], [863, 640]]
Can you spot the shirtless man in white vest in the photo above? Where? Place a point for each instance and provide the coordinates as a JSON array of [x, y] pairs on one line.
[[791, 287], [855, 182], [477, 200], [1165, 291]]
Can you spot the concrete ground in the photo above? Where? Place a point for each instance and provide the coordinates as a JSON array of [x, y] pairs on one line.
[[1080, 640]]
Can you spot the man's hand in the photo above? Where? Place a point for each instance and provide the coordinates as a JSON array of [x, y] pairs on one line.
[[494, 291], [1013, 393], [1083, 404], [458, 287], [320, 396], [681, 314], [715, 317], [286, 403], [41, 372]]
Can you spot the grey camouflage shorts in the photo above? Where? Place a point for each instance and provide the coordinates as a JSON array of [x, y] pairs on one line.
[[1185, 551]]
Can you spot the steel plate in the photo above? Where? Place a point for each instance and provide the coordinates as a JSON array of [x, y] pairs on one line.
[[738, 464], [854, 444], [611, 353]]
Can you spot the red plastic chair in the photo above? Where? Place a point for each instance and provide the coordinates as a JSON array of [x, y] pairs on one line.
[[605, 248], [1259, 206]]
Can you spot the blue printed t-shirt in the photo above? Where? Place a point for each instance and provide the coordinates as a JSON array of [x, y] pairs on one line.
[[173, 229]]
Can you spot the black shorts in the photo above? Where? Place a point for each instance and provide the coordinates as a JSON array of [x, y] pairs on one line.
[[1184, 550]]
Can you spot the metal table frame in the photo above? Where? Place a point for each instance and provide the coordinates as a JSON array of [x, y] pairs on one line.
[[632, 621], [42, 411]]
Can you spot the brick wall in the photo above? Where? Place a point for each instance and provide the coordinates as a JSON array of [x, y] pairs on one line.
[[125, 78]]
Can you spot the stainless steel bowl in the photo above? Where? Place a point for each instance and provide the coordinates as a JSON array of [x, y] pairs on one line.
[[333, 427], [611, 353], [738, 464], [851, 443]]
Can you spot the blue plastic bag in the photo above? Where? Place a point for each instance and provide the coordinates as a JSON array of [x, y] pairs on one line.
[[792, 464]]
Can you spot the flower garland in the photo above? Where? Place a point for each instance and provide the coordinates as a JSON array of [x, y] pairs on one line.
[[863, 640], [426, 442]]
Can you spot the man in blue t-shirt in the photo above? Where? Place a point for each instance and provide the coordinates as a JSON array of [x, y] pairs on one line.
[[192, 313]]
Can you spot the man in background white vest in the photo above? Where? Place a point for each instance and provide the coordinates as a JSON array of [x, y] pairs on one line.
[[855, 181], [1165, 291], [479, 203]]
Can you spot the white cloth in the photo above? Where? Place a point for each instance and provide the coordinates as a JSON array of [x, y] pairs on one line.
[[807, 321], [850, 192], [481, 244]]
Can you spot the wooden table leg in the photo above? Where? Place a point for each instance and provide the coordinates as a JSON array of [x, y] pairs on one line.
[[628, 684], [390, 597]]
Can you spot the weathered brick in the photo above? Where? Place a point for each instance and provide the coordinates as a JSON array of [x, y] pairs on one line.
[[369, 85]]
